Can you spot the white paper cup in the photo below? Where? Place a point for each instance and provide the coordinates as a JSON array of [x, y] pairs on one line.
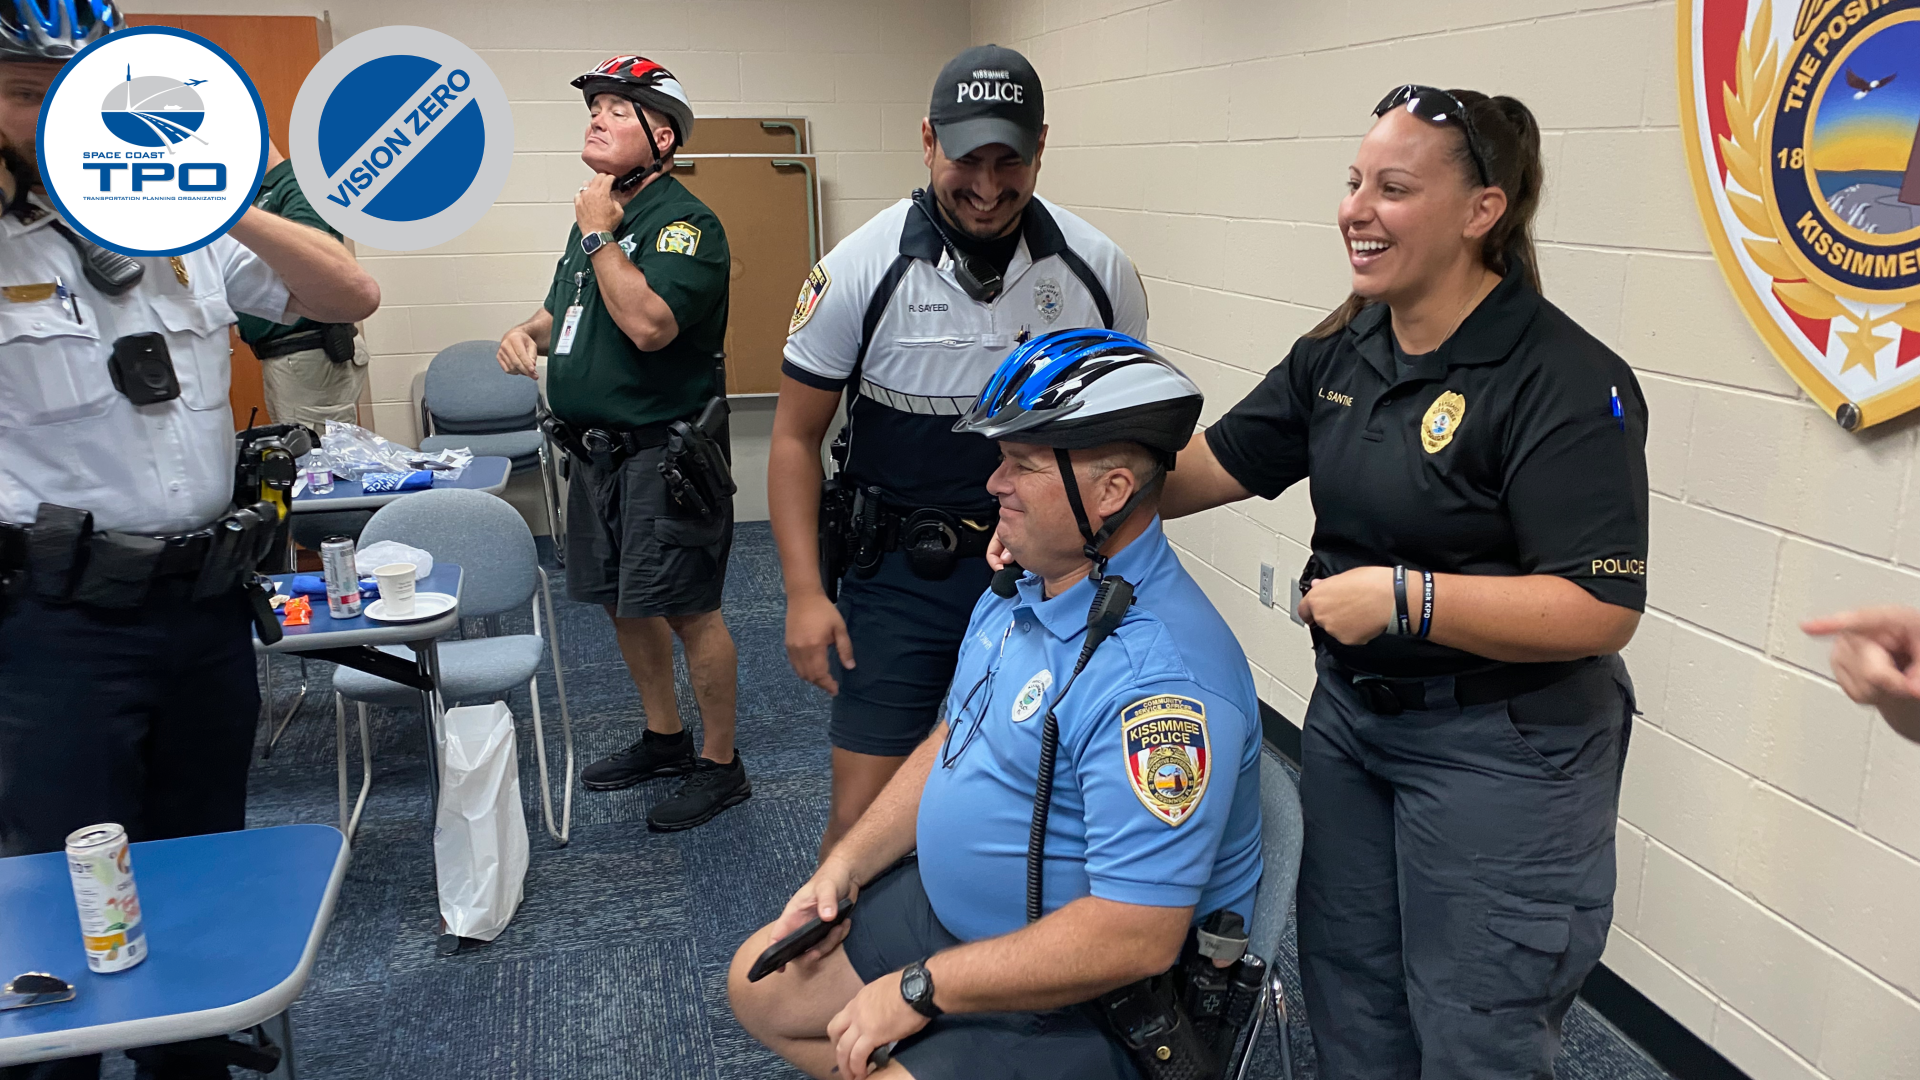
[[396, 588]]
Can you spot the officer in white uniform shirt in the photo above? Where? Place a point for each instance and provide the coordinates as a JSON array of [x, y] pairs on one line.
[[908, 317], [127, 685]]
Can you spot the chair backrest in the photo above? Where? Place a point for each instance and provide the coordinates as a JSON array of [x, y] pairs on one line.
[[466, 386], [1280, 829], [485, 536]]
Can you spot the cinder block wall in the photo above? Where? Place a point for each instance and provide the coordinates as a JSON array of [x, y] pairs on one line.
[[859, 69], [1770, 830]]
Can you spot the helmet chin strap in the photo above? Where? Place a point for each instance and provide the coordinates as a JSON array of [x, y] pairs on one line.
[[1097, 540]]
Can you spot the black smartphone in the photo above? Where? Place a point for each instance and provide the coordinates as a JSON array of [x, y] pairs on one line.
[[788, 949]]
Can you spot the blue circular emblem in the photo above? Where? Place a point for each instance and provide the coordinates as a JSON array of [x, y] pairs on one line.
[[360, 106]]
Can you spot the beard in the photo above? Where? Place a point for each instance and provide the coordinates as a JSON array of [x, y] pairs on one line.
[[21, 163]]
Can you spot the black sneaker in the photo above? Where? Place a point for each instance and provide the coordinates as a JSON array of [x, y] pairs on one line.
[[712, 788], [654, 755]]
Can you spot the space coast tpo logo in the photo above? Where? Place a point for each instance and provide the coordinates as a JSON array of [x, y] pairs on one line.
[[152, 141], [402, 138], [1802, 125]]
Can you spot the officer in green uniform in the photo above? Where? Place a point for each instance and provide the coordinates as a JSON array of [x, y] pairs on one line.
[[634, 326], [312, 372]]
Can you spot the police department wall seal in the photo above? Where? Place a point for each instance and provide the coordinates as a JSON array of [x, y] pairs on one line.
[[1804, 143]]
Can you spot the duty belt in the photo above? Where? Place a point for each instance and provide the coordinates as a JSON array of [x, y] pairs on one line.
[[602, 444], [335, 338], [935, 539], [61, 558], [1393, 696]]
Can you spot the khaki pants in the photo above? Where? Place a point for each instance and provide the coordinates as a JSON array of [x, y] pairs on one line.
[[308, 389]]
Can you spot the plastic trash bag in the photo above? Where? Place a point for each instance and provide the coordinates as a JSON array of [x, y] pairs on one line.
[[355, 451], [480, 831], [381, 552]]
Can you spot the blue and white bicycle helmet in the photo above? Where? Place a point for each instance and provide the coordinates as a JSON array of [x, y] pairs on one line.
[[1077, 389], [54, 29]]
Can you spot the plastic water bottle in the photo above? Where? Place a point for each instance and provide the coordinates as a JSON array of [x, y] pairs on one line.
[[319, 473]]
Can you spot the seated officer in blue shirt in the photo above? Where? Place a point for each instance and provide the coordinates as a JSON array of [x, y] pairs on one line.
[[958, 954]]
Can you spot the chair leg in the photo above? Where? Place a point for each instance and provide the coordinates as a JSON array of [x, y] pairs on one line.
[[566, 724], [350, 823], [550, 489], [299, 699], [1277, 996]]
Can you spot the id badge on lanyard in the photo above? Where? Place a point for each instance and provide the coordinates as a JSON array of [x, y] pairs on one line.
[[571, 325]]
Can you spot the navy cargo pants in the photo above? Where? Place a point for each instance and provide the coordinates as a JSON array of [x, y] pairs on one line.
[[1457, 880]]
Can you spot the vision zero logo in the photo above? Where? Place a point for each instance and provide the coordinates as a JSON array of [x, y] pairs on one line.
[[402, 138], [152, 141]]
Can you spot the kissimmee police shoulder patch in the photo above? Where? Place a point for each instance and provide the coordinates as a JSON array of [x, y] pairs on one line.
[[811, 290], [1802, 128], [401, 138], [152, 141], [1168, 758]]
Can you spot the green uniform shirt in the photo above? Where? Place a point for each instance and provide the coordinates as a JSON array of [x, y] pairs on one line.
[[280, 194], [604, 380]]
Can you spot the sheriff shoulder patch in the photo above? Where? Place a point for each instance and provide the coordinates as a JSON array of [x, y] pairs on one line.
[[1168, 759], [678, 238], [811, 290]]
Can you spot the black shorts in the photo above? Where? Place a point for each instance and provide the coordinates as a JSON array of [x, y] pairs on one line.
[[628, 546], [906, 639], [893, 926]]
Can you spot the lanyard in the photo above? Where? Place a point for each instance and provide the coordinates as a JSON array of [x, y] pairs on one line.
[[947, 761]]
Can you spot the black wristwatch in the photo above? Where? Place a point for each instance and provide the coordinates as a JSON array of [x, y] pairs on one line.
[[916, 986]]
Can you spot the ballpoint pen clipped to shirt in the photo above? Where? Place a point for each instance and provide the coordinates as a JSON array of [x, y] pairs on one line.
[[68, 299]]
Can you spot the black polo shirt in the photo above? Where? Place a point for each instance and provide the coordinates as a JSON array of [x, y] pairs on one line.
[[1498, 453]]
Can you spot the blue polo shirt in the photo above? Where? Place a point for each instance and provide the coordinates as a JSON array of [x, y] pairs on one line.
[[1156, 791]]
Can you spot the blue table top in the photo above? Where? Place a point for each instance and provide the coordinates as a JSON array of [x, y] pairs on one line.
[[444, 579], [481, 474], [232, 921]]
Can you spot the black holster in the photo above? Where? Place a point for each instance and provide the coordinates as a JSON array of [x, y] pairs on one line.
[[835, 535], [698, 474], [1147, 1019], [1192, 1020], [337, 340]]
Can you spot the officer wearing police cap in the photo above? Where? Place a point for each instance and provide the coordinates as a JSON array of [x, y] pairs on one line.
[[635, 323], [905, 319], [127, 684]]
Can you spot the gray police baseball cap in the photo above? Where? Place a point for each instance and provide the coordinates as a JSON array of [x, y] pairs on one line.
[[988, 95]]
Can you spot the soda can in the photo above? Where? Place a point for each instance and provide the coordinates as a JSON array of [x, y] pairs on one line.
[[109, 904], [343, 578]]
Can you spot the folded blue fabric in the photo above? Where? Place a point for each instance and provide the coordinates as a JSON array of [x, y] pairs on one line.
[[416, 480], [316, 585]]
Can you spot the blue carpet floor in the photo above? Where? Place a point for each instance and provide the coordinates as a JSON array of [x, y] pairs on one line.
[[615, 965]]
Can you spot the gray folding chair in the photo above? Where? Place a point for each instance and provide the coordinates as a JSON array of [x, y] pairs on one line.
[[468, 402], [1280, 832], [494, 549]]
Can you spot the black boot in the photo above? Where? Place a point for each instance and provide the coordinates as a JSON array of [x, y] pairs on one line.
[[712, 788], [654, 755]]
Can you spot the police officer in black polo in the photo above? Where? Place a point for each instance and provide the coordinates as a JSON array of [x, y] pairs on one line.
[[635, 323], [1479, 559]]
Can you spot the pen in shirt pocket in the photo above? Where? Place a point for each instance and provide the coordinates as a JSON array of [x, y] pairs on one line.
[[68, 300]]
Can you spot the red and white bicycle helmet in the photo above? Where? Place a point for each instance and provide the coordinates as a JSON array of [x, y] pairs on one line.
[[645, 83]]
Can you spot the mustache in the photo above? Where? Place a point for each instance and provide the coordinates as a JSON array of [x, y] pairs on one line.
[[952, 199]]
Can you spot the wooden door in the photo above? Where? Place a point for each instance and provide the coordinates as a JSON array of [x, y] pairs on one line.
[[277, 52], [769, 206], [748, 135]]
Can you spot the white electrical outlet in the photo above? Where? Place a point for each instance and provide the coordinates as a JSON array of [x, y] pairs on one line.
[[1266, 584]]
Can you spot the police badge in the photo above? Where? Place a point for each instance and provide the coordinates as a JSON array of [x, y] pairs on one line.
[[1046, 299], [1805, 155], [1168, 759]]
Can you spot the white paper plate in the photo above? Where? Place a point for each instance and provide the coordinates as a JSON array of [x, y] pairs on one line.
[[426, 605]]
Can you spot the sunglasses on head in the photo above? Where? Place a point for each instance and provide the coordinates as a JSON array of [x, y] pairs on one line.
[[1440, 107]]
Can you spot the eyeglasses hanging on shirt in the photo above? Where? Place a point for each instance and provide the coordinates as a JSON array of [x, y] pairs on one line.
[[949, 756], [977, 277]]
